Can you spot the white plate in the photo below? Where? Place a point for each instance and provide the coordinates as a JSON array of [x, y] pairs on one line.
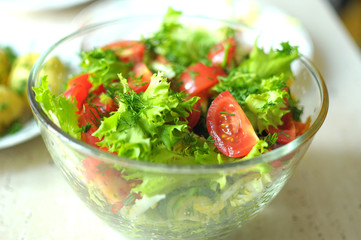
[[34, 41], [38, 5], [29, 131], [257, 13]]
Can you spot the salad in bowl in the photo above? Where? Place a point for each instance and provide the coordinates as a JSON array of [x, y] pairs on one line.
[[177, 127]]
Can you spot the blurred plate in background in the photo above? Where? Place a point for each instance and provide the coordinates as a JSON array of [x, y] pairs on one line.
[[29, 131], [38, 5], [256, 13]]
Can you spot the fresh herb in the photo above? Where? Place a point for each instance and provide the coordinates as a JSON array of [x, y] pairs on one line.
[[129, 199], [283, 133], [210, 139], [228, 113], [85, 128], [98, 115], [102, 168], [271, 139]]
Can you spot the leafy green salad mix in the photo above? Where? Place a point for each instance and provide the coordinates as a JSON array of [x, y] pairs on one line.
[[181, 96]]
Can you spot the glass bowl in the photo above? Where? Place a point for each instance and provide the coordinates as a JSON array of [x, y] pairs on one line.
[[189, 202]]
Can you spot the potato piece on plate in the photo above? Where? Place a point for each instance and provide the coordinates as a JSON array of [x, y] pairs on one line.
[[20, 72], [56, 72], [4, 66], [53, 68], [11, 107]]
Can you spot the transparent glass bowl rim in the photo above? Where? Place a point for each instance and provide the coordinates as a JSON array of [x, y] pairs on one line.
[[88, 150]]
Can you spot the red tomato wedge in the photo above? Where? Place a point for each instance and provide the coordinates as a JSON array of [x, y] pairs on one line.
[[104, 107], [78, 88], [127, 51], [99, 90], [197, 108], [232, 132], [301, 128], [110, 181], [287, 131], [82, 79], [161, 59], [140, 81], [89, 117], [199, 78], [223, 53], [195, 115]]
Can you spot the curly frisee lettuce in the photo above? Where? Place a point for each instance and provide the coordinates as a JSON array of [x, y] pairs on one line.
[[146, 123]]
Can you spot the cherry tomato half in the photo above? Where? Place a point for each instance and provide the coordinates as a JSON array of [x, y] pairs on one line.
[[198, 79], [140, 81], [301, 128], [78, 88], [232, 132], [104, 107], [90, 117], [127, 51], [287, 131], [109, 181], [195, 115], [89, 120], [101, 89], [161, 59], [223, 53]]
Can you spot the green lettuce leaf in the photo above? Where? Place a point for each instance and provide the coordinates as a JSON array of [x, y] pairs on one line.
[[59, 109], [182, 46], [266, 109], [262, 100], [151, 184], [103, 66], [259, 85], [146, 123], [275, 62], [260, 148]]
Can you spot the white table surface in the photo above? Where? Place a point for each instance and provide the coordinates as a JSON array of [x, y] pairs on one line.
[[322, 200]]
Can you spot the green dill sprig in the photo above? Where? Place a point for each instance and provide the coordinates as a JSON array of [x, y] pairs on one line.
[[102, 168], [228, 113], [271, 139], [210, 139], [85, 128]]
